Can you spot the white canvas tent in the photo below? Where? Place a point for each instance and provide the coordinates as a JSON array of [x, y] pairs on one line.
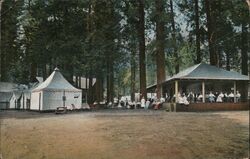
[[6, 91], [15, 100], [25, 98], [5, 99], [55, 92]]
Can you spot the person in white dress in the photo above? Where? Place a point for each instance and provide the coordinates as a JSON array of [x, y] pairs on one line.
[[147, 104], [211, 97], [219, 98], [181, 100], [231, 97], [162, 100], [166, 97], [238, 95], [143, 102], [185, 101]]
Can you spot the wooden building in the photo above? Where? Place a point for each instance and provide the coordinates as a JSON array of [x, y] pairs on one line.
[[202, 79]]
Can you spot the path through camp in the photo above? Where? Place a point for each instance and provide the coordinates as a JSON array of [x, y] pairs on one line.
[[114, 134]]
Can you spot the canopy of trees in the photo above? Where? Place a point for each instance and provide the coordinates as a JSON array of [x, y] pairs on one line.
[[126, 45]]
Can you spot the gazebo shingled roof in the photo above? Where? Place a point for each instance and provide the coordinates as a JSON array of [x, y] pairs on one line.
[[205, 72]]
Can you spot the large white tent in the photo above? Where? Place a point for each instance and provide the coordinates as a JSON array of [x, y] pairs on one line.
[[55, 92]]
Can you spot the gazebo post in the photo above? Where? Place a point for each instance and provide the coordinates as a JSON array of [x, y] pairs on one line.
[[234, 91], [176, 95], [176, 91], [203, 91]]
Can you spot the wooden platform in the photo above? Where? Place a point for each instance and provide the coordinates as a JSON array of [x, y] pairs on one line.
[[213, 107]]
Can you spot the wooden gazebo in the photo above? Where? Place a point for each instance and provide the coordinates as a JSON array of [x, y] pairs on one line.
[[203, 74]]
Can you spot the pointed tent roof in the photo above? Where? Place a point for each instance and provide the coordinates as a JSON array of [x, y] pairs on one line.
[[56, 82], [205, 71], [17, 94]]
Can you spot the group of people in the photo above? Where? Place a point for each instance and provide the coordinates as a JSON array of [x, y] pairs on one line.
[[198, 97], [184, 98], [152, 103], [142, 103], [223, 97]]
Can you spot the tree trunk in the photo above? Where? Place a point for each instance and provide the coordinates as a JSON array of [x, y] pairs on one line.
[[108, 81], [33, 71], [244, 42], [89, 83], [142, 58], [44, 72], [133, 67], [211, 31], [111, 82], [160, 40], [70, 70], [110, 78], [80, 82], [2, 57], [76, 81], [177, 65], [228, 61], [3, 69], [90, 91], [197, 32], [98, 89], [220, 57]]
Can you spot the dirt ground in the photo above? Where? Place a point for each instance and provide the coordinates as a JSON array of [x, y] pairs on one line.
[[124, 134]]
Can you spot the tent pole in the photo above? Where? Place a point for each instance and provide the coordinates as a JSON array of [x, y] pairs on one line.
[[23, 101], [203, 92], [234, 91], [64, 98]]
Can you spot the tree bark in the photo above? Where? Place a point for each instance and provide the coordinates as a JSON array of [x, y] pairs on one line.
[[76, 81], [80, 82], [244, 42], [33, 71], [160, 40], [98, 89], [211, 31], [197, 32], [90, 98], [133, 67], [141, 37], [90, 90], [1, 53], [2, 57], [227, 61], [110, 79], [44, 72], [177, 65]]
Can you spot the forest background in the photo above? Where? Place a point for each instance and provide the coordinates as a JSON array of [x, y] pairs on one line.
[[126, 45]]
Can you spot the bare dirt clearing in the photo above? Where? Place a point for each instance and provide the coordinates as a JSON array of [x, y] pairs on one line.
[[124, 135]]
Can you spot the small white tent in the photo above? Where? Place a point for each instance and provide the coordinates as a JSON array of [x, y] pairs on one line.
[[55, 92], [15, 100], [6, 91]]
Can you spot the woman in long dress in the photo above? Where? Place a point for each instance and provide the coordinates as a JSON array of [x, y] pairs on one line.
[[219, 98], [143, 102]]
